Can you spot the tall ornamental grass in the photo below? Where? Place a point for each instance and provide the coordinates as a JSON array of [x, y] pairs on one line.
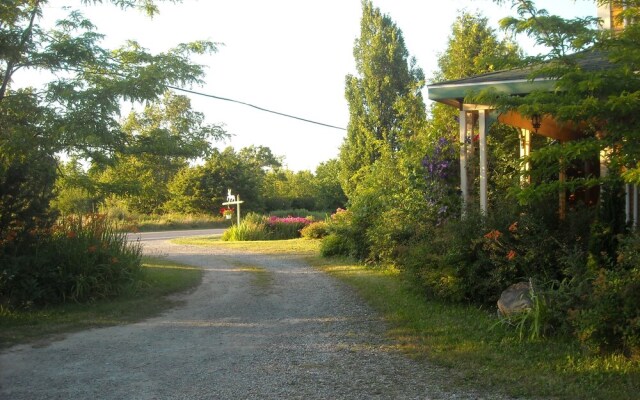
[[79, 259]]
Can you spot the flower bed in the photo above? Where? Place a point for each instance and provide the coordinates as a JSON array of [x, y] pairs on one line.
[[286, 228]]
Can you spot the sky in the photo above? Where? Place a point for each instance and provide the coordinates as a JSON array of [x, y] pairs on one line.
[[290, 56]]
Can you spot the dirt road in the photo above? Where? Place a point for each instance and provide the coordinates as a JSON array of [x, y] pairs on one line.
[[258, 327]]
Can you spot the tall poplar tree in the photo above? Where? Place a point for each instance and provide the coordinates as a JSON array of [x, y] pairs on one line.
[[385, 104]]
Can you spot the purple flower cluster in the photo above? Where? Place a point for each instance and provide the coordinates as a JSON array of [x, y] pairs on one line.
[[437, 164]]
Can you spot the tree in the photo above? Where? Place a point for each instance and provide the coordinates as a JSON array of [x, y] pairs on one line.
[[284, 189], [379, 156], [598, 283], [161, 140], [204, 188], [75, 190], [330, 194], [385, 104], [77, 111]]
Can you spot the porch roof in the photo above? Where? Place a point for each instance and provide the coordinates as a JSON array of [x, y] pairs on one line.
[[516, 81]]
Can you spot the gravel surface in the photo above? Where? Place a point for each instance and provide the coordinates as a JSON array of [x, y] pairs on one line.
[[258, 327]]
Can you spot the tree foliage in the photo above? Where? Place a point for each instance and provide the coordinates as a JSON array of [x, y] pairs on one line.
[[204, 188], [385, 103], [160, 141], [77, 110], [601, 102]]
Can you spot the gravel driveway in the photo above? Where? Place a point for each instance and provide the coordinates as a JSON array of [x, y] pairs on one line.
[[258, 327]]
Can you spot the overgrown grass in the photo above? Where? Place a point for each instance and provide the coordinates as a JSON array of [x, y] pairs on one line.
[[247, 230], [151, 223], [300, 212], [480, 354], [130, 222], [161, 278]]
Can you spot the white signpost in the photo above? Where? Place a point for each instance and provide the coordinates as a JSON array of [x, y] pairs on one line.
[[233, 199]]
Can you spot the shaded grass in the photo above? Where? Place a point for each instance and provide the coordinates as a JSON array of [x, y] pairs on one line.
[[161, 278]]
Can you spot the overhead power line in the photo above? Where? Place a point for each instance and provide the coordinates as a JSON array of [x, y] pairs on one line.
[[256, 107]]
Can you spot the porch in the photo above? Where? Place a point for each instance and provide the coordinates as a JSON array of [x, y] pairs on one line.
[[475, 121]]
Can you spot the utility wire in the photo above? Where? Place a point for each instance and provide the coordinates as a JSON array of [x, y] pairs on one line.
[[256, 107]]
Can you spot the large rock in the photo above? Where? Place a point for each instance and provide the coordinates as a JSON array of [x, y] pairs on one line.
[[515, 299]]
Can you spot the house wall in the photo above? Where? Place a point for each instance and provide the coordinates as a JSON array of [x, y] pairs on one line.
[[609, 14]]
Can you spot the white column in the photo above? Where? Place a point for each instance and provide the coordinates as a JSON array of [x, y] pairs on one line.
[[482, 125], [635, 206], [525, 151], [627, 202], [604, 162], [464, 186], [238, 215], [562, 195]]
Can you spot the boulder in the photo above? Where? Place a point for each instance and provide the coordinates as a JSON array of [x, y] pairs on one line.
[[515, 299]]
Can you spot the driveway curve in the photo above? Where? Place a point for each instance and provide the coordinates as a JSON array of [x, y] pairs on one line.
[[258, 327]]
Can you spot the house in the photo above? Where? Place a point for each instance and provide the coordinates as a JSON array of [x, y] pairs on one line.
[[475, 119]]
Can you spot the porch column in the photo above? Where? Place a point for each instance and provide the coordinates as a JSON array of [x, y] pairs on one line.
[[482, 125], [464, 186], [562, 211], [635, 206], [525, 151], [627, 202], [604, 162]]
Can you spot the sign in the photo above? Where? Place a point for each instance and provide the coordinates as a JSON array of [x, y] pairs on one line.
[[233, 199]]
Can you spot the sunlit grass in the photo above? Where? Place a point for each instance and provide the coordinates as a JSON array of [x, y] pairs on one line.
[[480, 353], [292, 246], [161, 278], [172, 221]]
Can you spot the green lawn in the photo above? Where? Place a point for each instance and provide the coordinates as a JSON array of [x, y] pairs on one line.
[[161, 278]]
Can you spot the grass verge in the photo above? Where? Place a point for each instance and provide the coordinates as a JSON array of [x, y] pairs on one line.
[[300, 247], [168, 222], [162, 278], [479, 353]]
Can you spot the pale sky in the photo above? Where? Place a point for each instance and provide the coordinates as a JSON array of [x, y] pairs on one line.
[[290, 56]]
